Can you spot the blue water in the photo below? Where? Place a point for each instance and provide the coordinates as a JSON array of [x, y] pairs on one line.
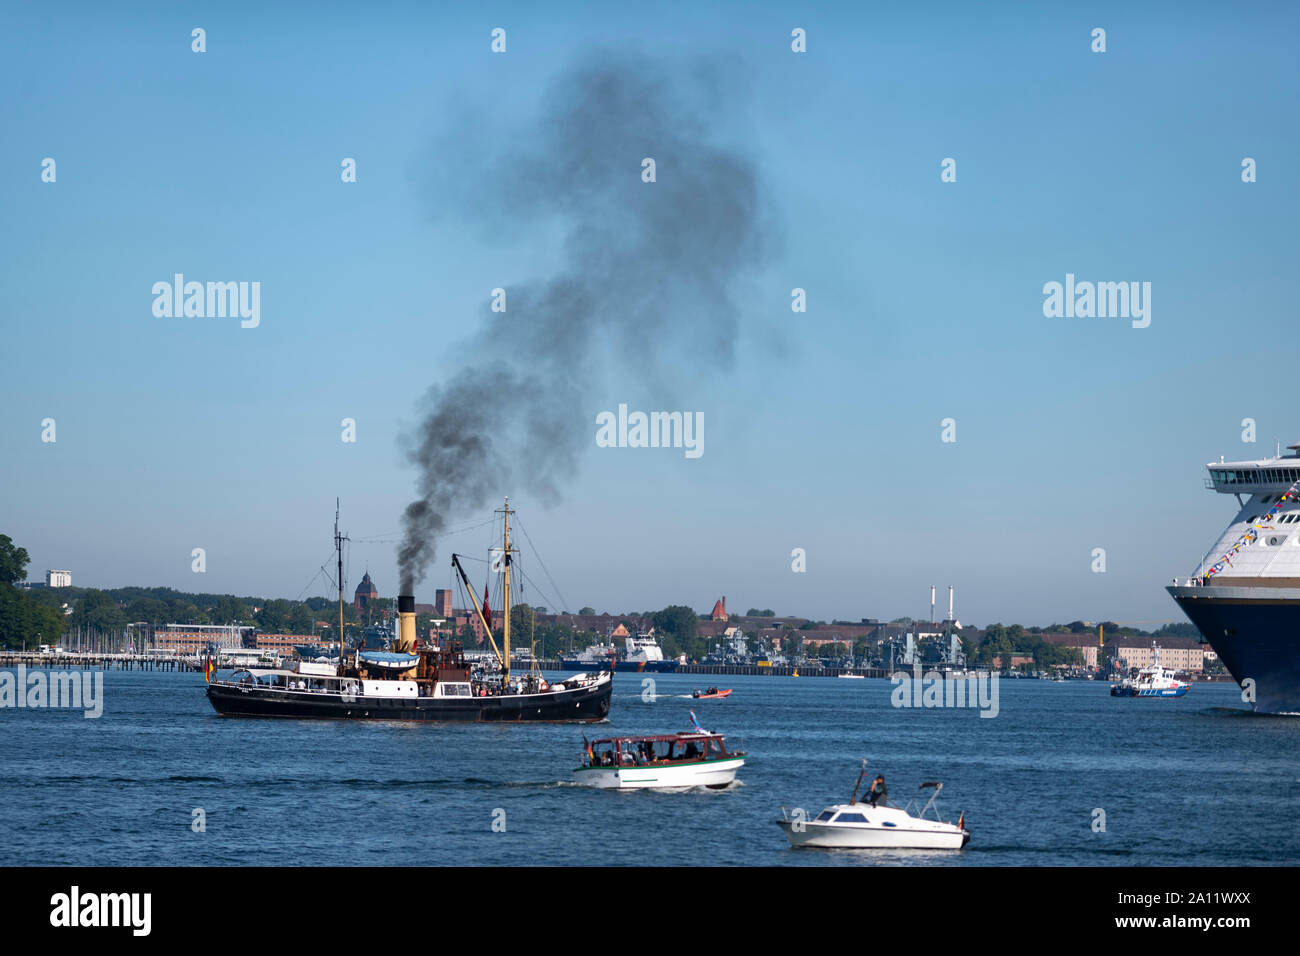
[[1196, 781]]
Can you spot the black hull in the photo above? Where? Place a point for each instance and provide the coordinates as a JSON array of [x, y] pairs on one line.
[[1256, 633], [589, 667], [646, 667], [623, 667], [583, 705]]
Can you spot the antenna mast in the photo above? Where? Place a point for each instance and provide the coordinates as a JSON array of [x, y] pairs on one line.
[[338, 546], [505, 593]]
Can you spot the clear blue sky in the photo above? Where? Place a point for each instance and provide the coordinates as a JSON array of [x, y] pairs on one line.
[[925, 298]]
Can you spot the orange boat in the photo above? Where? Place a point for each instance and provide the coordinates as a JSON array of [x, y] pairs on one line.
[[711, 693]]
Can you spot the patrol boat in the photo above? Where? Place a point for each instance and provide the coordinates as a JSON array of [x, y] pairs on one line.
[[413, 680], [1244, 597], [1152, 681]]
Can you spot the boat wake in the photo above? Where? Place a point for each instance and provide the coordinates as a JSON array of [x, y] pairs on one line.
[[1241, 712]]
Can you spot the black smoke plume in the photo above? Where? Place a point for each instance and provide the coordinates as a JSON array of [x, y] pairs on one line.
[[644, 288]]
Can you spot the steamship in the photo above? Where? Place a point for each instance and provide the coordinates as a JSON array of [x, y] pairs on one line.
[[1245, 595], [415, 681]]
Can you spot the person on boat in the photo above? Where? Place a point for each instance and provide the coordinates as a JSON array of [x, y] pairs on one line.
[[879, 793]]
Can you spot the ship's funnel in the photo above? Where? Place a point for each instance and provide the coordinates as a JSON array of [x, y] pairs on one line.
[[405, 623]]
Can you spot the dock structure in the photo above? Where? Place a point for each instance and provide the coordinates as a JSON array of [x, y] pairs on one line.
[[780, 670], [94, 660], [164, 661], [774, 670]]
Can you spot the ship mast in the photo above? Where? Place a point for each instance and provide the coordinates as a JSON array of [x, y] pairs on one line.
[[338, 546], [505, 598]]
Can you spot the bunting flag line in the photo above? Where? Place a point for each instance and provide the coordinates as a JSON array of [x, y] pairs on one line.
[[1253, 532]]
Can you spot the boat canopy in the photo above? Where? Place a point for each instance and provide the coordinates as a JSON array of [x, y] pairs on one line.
[[389, 659], [656, 738]]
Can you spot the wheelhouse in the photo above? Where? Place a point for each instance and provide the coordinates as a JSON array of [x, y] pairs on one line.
[[657, 749]]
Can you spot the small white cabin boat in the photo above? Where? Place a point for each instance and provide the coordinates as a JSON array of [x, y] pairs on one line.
[[695, 758], [856, 825]]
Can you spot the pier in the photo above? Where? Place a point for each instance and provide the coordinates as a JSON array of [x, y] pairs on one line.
[[775, 670], [779, 670], [94, 660]]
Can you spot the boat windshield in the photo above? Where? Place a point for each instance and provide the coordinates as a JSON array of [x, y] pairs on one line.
[[643, 751]]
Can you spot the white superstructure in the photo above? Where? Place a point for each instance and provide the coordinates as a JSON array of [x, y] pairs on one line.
[[642, 649], [1270, 525]]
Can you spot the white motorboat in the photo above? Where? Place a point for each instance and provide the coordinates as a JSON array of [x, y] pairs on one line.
[[856, 825], [696, 758]]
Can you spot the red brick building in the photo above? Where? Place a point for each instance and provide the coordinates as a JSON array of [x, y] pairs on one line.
[[366, 592]]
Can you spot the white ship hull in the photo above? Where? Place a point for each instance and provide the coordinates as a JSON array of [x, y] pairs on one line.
[[706, 773], [872, 838], [880, 828]]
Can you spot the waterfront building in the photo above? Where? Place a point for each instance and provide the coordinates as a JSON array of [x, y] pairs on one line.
[[192, 639], [1184, 654], [1085, 643], [281, 643]]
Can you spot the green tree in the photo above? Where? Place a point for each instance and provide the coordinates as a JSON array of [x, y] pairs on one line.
[[45, 625], [301, 619], [676, 627], [98, 611], [13, 561], [186, 612], [13, 623], [230, 610], [274, 616], [148, 609], [522, 622]]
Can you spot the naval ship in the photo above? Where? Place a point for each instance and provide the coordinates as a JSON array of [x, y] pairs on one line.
[[413, 680], [1245, 595]]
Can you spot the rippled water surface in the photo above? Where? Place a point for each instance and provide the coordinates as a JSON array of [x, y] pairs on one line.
[[1195, 781]]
